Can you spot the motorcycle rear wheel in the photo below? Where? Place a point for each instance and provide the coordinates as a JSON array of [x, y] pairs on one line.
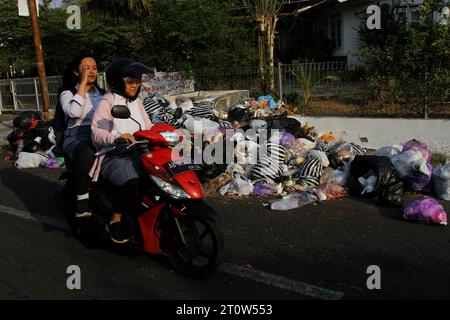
[[196, 246]]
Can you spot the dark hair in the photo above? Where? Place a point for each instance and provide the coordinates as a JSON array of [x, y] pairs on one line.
[[70, 79]]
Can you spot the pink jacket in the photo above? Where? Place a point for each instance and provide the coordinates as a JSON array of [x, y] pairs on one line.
[[102, 125]]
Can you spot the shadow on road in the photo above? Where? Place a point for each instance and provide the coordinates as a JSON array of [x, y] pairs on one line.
[[36, 193]]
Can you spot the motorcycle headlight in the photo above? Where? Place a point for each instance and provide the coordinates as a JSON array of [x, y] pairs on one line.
[[170, 189], [172, 138]]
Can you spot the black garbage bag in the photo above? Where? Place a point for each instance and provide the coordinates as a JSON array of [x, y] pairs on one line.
[[389, 187], [26, 120], [13, 138], [291, 125], [37, 138], [43, 130], [241, 114]]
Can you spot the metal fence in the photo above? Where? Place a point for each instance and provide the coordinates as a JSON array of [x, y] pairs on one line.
[[24, 94], [336, 93], [335, 89], [286, 80]]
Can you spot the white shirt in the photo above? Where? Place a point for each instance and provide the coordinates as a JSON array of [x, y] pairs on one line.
[[122, 126], [79, 110]]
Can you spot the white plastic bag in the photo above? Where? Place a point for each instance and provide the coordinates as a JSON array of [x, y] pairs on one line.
[[410, 162], [246, 152], [233, 169], [238, 186], [441, 180], [28, 160], [200, 126], [340, 177], [389, 151]]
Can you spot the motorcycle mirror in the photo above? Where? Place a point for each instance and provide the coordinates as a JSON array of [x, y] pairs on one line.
[[120, 112]]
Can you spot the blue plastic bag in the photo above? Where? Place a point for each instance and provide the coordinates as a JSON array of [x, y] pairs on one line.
[[269, 99]]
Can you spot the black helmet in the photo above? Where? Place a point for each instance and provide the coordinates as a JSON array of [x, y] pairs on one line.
[[122, 68]]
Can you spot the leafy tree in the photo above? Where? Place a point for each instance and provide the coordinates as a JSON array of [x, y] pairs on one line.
[[178, 35], [16, 42], [196, 34], [119, 8], [409, 65]]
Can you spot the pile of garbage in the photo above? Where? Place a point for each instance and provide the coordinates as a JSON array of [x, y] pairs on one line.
[[299, 164], [33, 142], [274, 154]]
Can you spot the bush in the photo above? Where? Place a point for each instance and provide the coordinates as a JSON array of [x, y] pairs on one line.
[[408, 66]]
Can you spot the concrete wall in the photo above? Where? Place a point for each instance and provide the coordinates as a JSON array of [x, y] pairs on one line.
[[385, 131]]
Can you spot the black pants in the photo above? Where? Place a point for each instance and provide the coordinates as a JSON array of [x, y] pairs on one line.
[[82, 162], [127, 197]]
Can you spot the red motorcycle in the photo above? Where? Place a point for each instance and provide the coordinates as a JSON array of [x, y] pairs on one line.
[[173, 218]]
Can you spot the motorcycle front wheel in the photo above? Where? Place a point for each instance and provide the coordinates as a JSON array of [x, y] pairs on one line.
[[196, 246]]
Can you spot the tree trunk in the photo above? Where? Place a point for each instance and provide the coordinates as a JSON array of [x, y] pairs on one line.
[[262, 54], [271, 53]]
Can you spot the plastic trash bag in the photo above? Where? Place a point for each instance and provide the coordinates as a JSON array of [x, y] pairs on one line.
[[182, 102], [427, 210], [311, 170], [341, 152], [286, 139], [51, 164], [368, 182], [240, 114], [417, 181], [27, 160], [240, 186], [263, 190], [389, 186], [294, 200], [337, 176], [282, 137], [410, 162], [246, 152], [270, 102], [217, 183], [389, 151], [416, 145], [321, 156], [258, 124], [441, 181], [327, 137], [299, 146], [332, 191], [289, 124], [200, 126], [233, 169]]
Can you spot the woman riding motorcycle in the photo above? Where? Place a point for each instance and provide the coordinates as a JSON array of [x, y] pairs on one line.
[[79, 98], [120, 166]]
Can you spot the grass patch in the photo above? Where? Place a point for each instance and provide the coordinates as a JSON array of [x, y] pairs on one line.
[[439, 159]]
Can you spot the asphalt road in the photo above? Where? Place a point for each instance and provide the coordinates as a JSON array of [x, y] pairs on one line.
[[318, 251]]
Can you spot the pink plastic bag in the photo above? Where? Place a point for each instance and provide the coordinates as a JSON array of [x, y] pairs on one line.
[[333, 191], [427, 210], [417, 145]]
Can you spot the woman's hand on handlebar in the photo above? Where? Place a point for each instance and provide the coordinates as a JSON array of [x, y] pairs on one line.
[[126, 138]]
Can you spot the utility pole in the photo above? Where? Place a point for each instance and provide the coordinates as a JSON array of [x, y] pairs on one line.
[[39, 58]]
